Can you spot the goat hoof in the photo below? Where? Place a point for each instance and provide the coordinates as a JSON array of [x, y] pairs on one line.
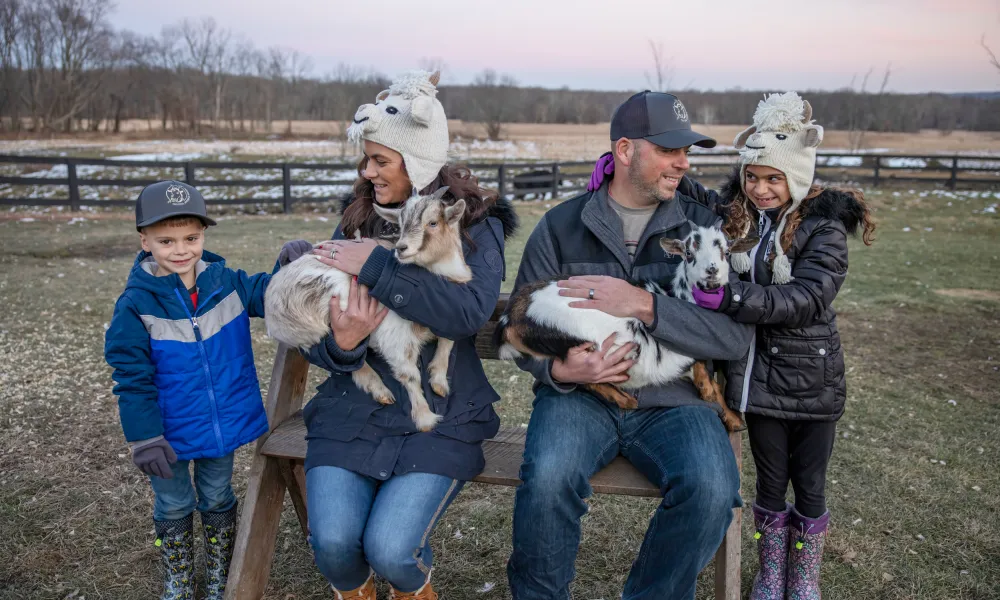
[[441, 389], [385, 398], [733, 423], [426, 421]]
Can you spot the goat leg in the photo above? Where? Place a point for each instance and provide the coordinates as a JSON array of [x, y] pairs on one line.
[[438, 367], [408, 374], [368, 380], [613, 394], [710, 391]]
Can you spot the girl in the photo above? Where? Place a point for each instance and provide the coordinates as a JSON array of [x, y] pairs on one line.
[[376, 484], [791, 384]]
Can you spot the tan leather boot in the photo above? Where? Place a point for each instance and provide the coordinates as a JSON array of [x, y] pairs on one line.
[[424, 593], [365, 592]]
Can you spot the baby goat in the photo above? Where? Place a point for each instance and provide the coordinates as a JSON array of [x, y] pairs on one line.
[[541, 324], [298, 298]]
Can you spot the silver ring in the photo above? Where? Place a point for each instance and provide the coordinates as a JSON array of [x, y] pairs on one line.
[[590, 294], [333, 252]]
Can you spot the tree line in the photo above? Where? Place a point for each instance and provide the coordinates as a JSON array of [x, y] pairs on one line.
[[64, 68]]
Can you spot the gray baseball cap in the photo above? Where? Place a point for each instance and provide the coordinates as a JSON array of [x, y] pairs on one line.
[[166, 199], [659, 118]]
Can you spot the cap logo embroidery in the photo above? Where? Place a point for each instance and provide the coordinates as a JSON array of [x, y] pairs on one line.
[[680, 111], [177, 196]]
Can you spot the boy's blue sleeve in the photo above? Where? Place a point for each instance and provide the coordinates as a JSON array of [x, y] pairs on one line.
[[251, 289], [127, 350]]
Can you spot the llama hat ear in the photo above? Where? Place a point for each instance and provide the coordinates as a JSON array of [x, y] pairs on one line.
[[741, 139], [422, 109], [435, 78], [813, 136]]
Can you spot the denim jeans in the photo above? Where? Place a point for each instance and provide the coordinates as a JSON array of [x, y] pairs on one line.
[[683, 450], [358, 525], [175, 498]]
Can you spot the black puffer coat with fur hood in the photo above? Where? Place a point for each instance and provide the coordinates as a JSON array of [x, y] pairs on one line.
[[795, 366]]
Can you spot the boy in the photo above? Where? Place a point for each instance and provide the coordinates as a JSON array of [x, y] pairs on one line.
[[179, 343]]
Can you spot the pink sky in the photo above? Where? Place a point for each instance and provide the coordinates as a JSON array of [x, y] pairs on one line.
[[933, 45]]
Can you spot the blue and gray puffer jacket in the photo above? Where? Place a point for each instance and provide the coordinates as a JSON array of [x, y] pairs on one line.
[[188, 374]]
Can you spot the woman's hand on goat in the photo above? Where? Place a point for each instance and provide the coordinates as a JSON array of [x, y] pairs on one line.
[[348, 256], [611, 295], [587, 364], [350, 327]]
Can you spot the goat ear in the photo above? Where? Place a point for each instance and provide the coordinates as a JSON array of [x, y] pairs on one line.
[[672, 246], [422, 110], [814, 136], [741, 139], [744, 245], [389, 214], [453, 214], [439, 193]]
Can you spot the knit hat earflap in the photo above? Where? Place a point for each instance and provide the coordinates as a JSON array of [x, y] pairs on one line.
[[783, 137], [409, 119]]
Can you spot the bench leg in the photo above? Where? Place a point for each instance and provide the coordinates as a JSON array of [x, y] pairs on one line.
[[294, 474], [727, 558], [258, 531]]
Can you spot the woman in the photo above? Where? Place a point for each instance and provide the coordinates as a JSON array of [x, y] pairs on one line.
[[791, 385], [376, 484]]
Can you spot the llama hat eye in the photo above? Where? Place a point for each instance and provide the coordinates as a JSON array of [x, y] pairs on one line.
[[391, 110], [781, 136]]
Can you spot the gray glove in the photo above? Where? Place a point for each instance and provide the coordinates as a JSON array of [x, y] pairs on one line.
[[154, 457], [293, 250]]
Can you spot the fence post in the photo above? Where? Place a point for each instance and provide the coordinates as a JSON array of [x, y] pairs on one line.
[[189, 173], [555, 180], [953, 181], [74, 189], [878, 163], [502, 179], [286, 187]]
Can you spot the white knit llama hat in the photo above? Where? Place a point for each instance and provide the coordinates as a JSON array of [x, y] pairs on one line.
[[408, 118], [784, 137]]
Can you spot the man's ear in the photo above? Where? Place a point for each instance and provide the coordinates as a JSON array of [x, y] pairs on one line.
[[624, 151]]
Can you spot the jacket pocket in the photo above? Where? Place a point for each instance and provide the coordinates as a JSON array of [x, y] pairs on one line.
[[796, 366], [338, 413]]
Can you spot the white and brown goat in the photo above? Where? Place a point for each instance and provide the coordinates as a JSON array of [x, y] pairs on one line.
[[540, 323], [298, 298]]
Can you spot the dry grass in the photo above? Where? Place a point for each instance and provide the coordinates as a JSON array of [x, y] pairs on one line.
[[914, 489]]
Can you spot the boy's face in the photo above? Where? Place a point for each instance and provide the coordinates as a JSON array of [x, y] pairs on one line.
[[176, 247]]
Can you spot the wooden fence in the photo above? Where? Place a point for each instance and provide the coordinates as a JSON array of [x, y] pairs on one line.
[[22, 184]]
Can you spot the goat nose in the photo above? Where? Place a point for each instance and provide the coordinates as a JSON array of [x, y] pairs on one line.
[[401, 247], [712, 270]]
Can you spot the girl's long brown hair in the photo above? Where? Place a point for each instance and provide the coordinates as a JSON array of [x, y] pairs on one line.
[[462, 184], [741, 219]]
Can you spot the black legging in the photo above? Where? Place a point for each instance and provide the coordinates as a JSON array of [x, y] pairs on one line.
[[796, 451]]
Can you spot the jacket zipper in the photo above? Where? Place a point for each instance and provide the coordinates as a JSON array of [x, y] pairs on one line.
[[204, 365], [763, 224]]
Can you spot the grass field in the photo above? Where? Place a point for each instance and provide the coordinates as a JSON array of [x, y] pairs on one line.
[[914, 487]]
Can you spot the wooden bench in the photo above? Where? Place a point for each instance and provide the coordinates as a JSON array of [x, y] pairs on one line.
[[278, 467]]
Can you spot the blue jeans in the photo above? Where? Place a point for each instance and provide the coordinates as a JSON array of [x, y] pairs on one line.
[[175, 498], [684, 451], [357, 525]]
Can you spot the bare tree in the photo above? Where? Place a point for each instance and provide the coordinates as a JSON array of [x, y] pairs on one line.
[[495, 99], [662, 76], [989, 52], [10, 62], [867, 109]]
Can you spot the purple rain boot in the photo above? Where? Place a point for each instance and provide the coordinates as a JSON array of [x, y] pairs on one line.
[[805, 556], [772, 537]]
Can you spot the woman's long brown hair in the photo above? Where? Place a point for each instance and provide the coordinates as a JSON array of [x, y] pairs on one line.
[[740, 219], [462, 184]]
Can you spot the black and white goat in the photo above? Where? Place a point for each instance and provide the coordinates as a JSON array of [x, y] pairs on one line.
[[540, 323], [297, 302]]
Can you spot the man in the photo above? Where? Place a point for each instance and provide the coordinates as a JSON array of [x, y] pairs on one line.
[[608, 240]]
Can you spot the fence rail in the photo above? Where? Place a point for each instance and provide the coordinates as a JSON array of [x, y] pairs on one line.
[[518, 180]]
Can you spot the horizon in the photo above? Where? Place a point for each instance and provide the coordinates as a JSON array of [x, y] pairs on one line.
[[928, 45]]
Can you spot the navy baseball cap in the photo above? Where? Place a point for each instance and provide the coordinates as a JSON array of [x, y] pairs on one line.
[[167, 199], [659, 118]]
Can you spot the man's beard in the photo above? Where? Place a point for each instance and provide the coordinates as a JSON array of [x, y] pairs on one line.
[[646, 189]]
